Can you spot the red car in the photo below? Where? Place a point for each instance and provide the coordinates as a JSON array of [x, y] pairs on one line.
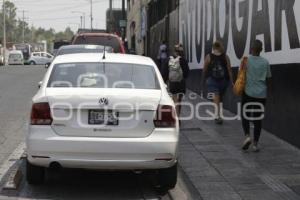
[[104, 39]]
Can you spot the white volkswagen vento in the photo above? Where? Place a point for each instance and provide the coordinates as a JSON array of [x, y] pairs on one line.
[[107, 112]]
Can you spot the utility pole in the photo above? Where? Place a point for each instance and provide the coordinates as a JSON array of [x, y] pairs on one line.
[[83, 20], [23, 28], [110, 16], [23, 25], [4, 33], [91, 14]]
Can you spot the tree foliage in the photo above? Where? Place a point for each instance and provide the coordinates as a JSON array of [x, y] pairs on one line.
[[14, 29]]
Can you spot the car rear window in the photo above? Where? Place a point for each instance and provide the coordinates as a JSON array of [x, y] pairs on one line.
[[99, 40], [104, 75], [75, 50], [15, 56]]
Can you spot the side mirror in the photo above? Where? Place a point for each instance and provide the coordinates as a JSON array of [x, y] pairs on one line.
[[40, 84]]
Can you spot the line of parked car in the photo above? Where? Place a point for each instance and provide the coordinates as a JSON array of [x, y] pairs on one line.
[[15, 57], [111, 42]]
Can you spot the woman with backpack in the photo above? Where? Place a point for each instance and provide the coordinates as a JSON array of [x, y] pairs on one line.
[[176, 74], [218, 74]]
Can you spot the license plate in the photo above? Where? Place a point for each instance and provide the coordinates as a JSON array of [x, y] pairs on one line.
[[103, 117]]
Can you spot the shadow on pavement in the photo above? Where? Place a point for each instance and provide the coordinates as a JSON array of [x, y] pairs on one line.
[[89, 184]]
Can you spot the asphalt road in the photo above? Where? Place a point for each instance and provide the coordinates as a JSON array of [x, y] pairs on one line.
[[17, 86]]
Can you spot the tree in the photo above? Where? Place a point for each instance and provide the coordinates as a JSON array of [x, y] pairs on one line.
[[14, 29]]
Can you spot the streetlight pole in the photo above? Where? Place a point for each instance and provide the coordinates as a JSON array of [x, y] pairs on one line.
[[23, 27], [110, 17], [91, 14], [81, 17], [4, 33]]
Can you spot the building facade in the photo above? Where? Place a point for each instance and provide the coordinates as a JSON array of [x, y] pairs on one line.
[[114, 25], [198, 23], [137, 25], [237, 24], [163, 25]]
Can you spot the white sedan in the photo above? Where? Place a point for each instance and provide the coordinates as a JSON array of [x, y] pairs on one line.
[[109, 112]]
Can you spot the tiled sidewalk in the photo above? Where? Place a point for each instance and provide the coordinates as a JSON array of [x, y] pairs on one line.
[[211, 157]]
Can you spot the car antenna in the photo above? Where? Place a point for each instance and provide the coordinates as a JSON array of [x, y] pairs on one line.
[[103, 58]]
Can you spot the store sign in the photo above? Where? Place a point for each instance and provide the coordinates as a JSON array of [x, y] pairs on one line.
[[237, 23]]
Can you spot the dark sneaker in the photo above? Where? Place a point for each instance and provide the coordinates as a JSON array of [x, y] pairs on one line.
[[247, 143], [219, 121]]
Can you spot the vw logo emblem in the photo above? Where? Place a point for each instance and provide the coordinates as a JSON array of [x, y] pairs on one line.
[[103, 101]]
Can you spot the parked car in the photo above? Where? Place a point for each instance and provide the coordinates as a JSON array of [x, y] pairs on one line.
[[40, 58], [104, 39], [71, 49], [15, 57], [1, 60], [108, 113]]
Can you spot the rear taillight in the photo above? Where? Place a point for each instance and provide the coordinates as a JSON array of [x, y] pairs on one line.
[[41, 114], [165, 117]]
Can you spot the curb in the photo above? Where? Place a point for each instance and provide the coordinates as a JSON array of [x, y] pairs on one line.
[[185, 189], [14, 178]]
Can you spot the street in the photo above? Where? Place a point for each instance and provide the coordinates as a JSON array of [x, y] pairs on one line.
[[149, 99], [18, 84]]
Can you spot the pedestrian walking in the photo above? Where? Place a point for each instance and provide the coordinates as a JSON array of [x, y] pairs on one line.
[[217, 75], [162, 57], [258, 82], [176, 74]]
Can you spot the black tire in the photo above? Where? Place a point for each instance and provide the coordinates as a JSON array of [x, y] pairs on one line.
[[35, 175], [32, 63], [167, 178]]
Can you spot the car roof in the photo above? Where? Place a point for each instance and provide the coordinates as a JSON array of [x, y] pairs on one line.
[[81, 46], [97, 34], [16, 51], [98, 57]]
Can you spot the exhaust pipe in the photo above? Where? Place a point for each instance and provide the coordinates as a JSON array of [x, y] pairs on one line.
[[55, 166]]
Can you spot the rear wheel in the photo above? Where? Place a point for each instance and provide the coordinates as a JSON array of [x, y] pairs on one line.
[[34, 174], [168, 177], [32, 63]]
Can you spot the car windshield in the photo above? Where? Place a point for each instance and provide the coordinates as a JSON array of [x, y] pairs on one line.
[[100, 40], [104, 75]]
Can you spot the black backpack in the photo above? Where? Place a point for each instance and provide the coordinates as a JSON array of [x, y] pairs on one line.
[[217, 66]]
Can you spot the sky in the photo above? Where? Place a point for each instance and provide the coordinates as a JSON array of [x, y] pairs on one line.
[[58, 14]]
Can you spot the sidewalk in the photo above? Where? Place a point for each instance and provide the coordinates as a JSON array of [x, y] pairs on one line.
[[211, 158]]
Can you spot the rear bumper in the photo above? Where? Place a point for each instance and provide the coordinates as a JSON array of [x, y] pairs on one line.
[[159, 150], [15, 63]]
